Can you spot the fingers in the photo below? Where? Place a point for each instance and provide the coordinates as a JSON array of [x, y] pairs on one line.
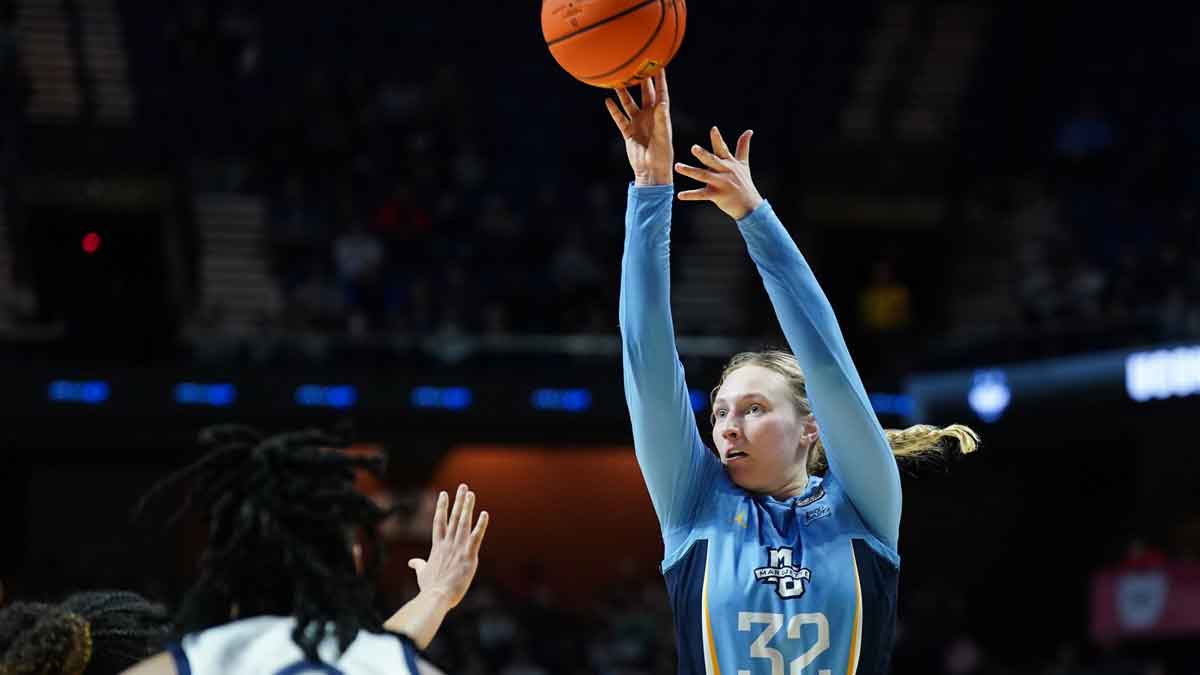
[[649, 98], [627, 103], [478, 532], [439, 517], [618, 117], [743, 146], [416, 564], [694, 172], [718, 143], [662, 111], [706, 177], [468, 512], [456, 512], [708, 159], [660, 83], [694, 195]]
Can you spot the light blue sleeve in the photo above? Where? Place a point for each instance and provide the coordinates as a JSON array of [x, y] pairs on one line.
[[678, 468], [858, 452]]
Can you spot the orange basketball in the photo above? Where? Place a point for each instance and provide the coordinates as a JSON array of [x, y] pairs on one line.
[[613, 43]]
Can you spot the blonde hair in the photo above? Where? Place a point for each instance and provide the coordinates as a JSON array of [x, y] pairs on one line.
[[917, 443]]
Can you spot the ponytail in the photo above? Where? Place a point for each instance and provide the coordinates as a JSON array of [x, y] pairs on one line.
[[38, 638], [912, 446], [92, 633]]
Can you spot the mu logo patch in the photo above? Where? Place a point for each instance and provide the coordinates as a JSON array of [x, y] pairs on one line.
[[789, 580]]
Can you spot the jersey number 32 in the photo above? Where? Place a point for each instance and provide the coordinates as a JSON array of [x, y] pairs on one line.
[[774, 622]]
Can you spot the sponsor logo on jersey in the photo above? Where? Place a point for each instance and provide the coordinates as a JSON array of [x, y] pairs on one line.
[[788, 579], [821, 511]]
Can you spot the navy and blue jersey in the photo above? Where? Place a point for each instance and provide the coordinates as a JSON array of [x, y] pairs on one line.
[[805, 585]]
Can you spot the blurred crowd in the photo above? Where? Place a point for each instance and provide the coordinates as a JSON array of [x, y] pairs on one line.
[[398, 200], [1100, 247], [15, 91], [417, 200], [1092, 229], [423, 202]]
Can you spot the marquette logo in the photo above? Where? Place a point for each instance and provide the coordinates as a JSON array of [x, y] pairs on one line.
[[789, 580]]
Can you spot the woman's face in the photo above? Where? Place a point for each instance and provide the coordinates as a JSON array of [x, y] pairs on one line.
[[759, 435]]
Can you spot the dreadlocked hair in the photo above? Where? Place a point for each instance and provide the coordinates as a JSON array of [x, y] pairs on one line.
[[913, 446], [92, 633], [282, 516]]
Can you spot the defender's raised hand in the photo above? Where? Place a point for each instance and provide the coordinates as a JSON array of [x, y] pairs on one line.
[[454, 555], [446, 574], [646, 130], [727, 181]]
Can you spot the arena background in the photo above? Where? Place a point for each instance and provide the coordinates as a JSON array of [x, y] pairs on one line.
[[407, 217]]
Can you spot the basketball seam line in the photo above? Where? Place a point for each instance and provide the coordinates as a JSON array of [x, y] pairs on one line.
[[599, 23], [675, 43], [662, 17]]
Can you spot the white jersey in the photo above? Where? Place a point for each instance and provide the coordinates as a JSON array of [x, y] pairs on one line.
[[264, 646]]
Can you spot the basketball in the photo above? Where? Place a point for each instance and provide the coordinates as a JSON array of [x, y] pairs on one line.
[[613, 43]]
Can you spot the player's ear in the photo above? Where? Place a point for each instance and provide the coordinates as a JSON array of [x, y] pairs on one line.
[[810, 432]]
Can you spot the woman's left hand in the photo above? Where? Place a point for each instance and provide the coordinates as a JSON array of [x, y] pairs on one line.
[[727, 181], [454, 556]]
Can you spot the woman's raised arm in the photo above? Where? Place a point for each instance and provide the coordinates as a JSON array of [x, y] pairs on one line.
[[676, 465], [855, 445]]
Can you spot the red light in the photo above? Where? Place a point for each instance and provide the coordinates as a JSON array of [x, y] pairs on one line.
[[91, 243]]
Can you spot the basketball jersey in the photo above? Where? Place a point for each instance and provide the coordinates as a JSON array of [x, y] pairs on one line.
[[802, 586], [263, 646], [767, 586]]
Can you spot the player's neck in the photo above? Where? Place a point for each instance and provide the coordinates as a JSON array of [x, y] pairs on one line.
[[794, 487]]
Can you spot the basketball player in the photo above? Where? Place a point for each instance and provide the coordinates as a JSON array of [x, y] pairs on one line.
[[780, 547], [285, 586]]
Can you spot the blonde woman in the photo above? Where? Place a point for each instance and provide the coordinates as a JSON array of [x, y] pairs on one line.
[[781, 548]]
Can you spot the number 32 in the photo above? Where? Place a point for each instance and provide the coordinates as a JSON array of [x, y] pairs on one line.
[[774, 622]]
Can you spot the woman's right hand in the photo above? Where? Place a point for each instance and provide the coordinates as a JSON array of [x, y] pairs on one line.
[[647, 131]]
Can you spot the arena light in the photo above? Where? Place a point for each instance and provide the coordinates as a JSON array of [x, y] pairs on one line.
[[892, 404], [218, 394], [90, 243], [445, 398], [326, 396], [1163, 373], [561, 400], [88, 392], [989, 395]]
